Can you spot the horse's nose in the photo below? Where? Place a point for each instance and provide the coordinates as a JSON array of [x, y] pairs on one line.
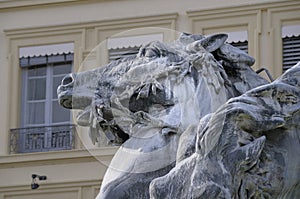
[[68, 81]]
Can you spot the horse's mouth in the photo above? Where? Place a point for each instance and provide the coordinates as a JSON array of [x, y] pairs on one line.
[[68, 100], [65, 99]]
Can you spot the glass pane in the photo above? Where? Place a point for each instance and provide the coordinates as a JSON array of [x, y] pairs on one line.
[[36, 89], [36, 113], [62, 69], [37, 71], [56, 83], [59, 114]]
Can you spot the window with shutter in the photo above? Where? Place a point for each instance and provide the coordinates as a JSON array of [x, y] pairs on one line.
[[290, 51], [242, 45], [45, 125], [290, 46], [122, 47], [118, 53]]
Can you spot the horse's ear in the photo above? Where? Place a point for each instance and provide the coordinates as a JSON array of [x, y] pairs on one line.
[[213, 42]]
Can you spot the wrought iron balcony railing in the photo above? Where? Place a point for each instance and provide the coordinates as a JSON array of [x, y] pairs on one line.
[[42, 139]]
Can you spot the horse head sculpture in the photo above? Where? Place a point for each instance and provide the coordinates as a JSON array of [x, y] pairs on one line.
[[145, 103]]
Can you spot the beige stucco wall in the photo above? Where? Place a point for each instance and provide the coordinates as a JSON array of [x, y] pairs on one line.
[[72, 174], [75, 174]]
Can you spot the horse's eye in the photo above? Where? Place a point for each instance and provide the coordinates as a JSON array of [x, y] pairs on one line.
[[151, 53]]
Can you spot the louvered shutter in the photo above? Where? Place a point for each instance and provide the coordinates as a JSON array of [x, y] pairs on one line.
[[242, 45], [118, 53], [290, 51]]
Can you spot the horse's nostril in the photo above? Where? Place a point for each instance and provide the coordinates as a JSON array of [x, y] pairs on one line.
[[67, 80]]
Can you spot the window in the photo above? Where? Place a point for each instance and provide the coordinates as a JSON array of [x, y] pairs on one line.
[[239, 39], [45, 124], [122, 47], [290, 46], [40, 104], [118, 53], [242, 45]]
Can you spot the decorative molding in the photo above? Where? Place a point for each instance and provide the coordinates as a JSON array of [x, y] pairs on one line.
[[277, 18], [225, 11], [59, 157], [8, 4], [75, 187], [17, 41], [168, 18]]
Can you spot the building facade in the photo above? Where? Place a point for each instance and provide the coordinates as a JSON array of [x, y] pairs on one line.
[[270, 30]]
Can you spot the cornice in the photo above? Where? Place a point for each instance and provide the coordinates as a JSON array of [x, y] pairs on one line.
[[240, 9], [103, 24], [13, 4]]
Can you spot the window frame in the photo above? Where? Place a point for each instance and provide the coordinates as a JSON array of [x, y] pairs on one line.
[[48, 125], [48, 120]]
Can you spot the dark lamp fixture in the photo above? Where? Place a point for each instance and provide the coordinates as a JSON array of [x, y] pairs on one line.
[[34, 184]]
